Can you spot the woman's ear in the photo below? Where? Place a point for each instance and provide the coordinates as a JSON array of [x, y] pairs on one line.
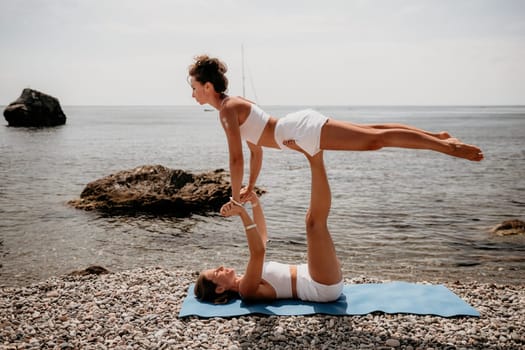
[[208, 86], [219, 290]]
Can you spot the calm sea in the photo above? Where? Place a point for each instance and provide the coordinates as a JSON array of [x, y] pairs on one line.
[[396, 214]]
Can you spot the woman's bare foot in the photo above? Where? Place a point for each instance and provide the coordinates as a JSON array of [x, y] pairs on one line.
[[462, 150]]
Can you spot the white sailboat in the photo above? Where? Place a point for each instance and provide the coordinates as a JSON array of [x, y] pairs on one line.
[[244, 78]]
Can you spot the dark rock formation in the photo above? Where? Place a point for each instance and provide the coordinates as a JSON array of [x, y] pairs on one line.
[[509, 227], [157, 190], [91, 270], [34, 108]]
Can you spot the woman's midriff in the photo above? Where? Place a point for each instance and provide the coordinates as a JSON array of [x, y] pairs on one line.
[[293, 275], [267, 138]]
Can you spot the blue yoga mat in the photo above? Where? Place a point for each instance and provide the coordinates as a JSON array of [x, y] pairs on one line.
[[357, 299]]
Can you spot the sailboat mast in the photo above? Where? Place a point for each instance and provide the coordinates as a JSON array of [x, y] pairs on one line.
[[243, 77]]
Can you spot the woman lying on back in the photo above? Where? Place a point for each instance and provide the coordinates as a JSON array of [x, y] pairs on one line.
[[320, 279]]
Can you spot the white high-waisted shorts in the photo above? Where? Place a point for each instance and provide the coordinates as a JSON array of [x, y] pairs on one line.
[[310, 290], [304, 127]]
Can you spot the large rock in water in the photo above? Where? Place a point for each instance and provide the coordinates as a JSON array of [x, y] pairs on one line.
[[156, 189], [34, 108]]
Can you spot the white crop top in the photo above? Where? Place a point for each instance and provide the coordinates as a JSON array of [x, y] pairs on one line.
[[253, 126], [278, 276]]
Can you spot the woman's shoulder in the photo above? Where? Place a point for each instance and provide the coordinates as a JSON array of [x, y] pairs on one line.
[[264, 291], [234, 105], [235, 101]]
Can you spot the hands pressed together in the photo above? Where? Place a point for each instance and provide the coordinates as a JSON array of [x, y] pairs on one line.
[[234, 207]]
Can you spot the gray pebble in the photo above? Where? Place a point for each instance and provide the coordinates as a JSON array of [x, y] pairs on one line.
[[393, 343]]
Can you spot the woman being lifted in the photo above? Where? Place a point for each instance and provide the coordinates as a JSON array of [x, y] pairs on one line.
[[306, 130]]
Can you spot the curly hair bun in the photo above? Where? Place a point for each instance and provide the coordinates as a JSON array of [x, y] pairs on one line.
[[210, 69], [212, 63]]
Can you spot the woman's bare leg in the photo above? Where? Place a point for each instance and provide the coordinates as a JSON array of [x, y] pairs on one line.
[[339, 135], [443, 135], [323, 263]]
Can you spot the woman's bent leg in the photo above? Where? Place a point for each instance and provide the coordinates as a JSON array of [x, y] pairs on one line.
[[338, 135], [323, 263]]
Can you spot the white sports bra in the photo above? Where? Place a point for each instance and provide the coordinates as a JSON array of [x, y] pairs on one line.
[[278, 276], [253, 126]]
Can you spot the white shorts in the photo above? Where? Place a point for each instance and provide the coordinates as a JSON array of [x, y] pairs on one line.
[[310, 290], [304, 127]]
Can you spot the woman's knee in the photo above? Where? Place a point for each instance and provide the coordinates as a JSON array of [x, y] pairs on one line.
[[309, 220], [313, 222], [376, 141]]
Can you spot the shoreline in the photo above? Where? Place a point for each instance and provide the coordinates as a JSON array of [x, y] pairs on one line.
[[139, 308], [465, 274]]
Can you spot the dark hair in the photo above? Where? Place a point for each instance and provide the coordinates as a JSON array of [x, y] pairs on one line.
[[207, 69], [205, 291]]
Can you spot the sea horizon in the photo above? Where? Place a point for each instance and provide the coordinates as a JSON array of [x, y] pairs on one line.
[[297, 105]]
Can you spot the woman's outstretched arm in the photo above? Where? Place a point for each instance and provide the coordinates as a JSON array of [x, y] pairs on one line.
[[230, 125], [251, 279], [256, 158], [258, 216]]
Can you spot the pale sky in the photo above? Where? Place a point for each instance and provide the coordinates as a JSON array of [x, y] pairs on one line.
[[340, 52]]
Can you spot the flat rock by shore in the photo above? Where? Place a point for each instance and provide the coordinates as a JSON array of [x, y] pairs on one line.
[[138, 309], [157, 190]]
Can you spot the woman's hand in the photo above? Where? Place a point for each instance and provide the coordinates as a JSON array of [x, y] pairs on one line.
[[252, 198], [230, 209], [245, 193]]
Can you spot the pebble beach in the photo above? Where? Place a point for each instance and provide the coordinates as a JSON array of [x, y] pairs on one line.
[[138, 309]]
